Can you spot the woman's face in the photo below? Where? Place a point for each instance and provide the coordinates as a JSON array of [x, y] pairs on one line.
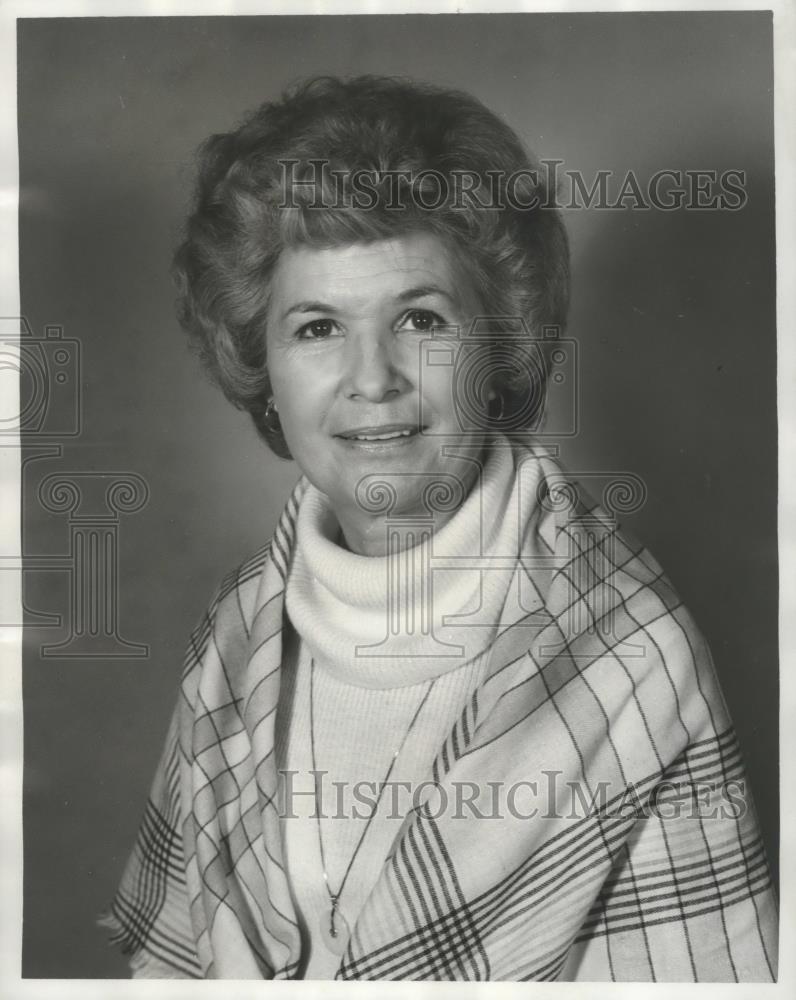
[[347, 345]]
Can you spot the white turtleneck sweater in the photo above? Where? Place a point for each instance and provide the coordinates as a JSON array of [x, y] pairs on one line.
[[374, 680]]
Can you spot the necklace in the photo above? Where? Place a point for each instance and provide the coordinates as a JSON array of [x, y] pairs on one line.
[[336, 934]]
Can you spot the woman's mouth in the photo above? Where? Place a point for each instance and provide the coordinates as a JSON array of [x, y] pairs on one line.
[[381, 435]]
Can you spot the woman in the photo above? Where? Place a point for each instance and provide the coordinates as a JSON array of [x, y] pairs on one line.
[[448, 724]]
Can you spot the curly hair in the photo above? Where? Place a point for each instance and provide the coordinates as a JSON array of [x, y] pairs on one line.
[[337, 162]]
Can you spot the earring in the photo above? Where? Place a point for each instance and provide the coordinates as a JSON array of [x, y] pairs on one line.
[[271, 415]]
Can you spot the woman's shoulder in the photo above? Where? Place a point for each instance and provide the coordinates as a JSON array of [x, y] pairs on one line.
[[580, 515], [222, 634], [237, 591], [610, 598], [224, 627]]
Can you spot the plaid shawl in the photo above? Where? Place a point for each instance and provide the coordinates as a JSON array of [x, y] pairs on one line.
[[626, 847]]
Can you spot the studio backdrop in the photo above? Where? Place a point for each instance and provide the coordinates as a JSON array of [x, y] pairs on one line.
[[142, 486]]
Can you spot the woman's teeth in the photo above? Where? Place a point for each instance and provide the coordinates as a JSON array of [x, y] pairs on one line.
[[382, 437]]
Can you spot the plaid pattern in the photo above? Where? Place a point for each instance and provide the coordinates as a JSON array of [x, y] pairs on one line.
[[641, 861]]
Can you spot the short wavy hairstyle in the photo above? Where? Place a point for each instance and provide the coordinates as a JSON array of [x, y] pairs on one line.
[[341, 161]]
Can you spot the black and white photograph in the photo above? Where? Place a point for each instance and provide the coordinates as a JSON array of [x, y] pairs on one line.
[[397, 559]]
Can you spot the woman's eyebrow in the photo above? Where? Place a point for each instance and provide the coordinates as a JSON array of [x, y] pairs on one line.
[[422, 290], [407, 295], [308, 307]]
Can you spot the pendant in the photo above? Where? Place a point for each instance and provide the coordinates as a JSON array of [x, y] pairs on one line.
[[335, 930]]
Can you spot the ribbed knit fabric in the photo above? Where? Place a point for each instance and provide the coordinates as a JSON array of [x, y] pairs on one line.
[[356, 732], [371, 619], [364, 705]]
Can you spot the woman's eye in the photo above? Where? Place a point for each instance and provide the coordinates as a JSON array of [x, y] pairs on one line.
[[317, 329], [422, 320]]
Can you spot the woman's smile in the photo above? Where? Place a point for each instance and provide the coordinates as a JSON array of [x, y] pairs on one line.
[[380, 435]]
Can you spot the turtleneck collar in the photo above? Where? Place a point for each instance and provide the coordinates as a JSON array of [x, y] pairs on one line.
[[395, 620]]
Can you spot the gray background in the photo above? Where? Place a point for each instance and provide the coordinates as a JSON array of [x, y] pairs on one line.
[[674, 314]]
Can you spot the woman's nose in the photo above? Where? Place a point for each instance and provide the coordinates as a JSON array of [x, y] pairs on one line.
[[371, 372]]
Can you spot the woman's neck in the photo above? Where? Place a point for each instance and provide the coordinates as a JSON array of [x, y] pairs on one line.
[[373, 536], [376, 621], [373, 532]]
